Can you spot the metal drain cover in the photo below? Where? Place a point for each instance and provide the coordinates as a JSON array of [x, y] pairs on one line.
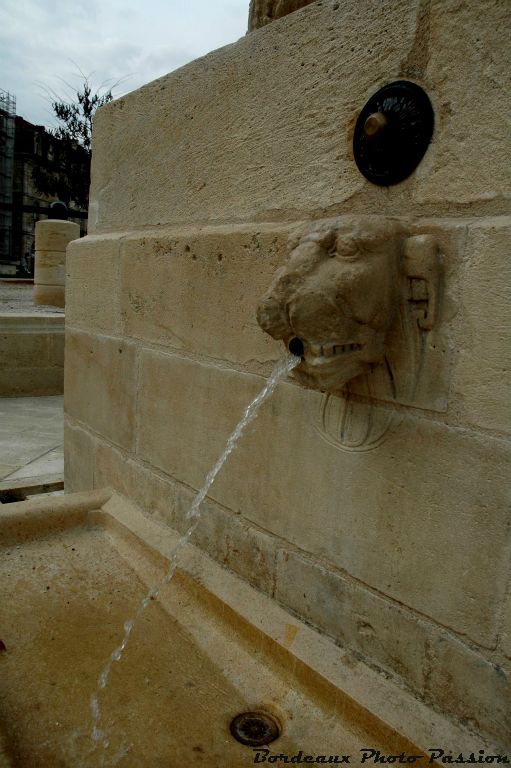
[[255, 728]]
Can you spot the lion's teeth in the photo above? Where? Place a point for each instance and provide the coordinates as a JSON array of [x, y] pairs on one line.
[[330, 350]]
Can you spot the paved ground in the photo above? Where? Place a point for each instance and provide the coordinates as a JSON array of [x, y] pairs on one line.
[[31, 440], [31, 428], [17, 298]]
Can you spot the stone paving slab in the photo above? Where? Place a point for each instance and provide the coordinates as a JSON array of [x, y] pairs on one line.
[[18, 298], [31, 440]]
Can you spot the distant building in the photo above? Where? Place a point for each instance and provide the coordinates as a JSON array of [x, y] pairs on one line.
[[25, 150], [7, 131]]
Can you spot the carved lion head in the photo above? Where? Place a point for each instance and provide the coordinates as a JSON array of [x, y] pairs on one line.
[[339, 296]]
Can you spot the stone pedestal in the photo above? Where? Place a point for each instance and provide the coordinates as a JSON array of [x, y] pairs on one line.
[[51, 240], [380, 515]]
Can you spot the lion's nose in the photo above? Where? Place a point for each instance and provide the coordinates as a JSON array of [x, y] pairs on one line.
[[295, 346]]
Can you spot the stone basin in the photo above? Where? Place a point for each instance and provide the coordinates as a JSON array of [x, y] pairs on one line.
[[73, 569]]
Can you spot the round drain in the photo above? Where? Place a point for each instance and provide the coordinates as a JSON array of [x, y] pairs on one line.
[[255, 728]]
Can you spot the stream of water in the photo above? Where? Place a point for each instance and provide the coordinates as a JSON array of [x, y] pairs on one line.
[[281, 370]]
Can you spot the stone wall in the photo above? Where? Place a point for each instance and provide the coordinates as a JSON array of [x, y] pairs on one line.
[[399, 546], [31, 355]]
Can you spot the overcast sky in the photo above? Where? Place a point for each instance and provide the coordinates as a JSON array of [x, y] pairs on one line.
[[43, 43]]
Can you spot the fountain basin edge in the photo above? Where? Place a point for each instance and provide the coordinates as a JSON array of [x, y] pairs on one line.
[[327, 700]]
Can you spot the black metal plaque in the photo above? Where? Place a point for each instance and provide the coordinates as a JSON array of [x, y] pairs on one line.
[[393, 132]]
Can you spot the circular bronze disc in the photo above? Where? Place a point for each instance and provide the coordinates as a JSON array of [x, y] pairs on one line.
[[393, 132]]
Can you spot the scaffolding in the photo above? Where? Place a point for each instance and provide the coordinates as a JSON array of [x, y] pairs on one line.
[[7, 130]]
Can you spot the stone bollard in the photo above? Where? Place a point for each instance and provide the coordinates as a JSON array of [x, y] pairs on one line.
[[51, 239]]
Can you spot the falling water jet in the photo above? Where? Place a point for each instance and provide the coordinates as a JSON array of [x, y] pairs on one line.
[[283, 367]]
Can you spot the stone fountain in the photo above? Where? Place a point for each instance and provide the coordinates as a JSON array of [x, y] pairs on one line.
[[357, 543]]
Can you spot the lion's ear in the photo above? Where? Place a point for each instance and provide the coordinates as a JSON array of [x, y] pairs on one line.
[[272, 318], [293, 241], [271, 310], [422, 267]]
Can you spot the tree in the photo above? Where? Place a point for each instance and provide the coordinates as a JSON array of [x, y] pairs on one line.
[[76, 117], [63, 168]]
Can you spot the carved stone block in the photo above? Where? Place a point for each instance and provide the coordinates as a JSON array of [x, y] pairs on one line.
[[263, 11], [357, 297]]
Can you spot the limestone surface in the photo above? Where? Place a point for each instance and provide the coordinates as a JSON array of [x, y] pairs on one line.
[[51, 240], [32, 354], [261, 12], [379, 513], [355, 293], [221, 643], [262, 130]]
